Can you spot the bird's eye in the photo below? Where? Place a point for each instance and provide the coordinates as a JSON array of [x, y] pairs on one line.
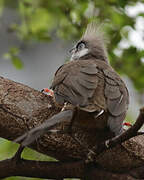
[[81, 46]]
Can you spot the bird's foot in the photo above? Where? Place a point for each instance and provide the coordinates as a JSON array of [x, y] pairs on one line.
[[96, 150], [107, 144], [127, 125], [49, 92], [63, 108], [90, 156]]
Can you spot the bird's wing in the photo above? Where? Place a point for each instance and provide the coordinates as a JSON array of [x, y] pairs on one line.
[[75, 82], [117, 99], [116, 93]]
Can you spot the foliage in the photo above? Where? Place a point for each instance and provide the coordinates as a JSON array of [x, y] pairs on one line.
[[13, 55], [8, 149], [40, 19]]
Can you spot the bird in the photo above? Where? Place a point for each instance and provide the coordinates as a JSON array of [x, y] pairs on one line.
[[88, 83]]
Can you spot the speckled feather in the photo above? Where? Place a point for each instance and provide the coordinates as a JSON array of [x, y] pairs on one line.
[[92, 85]]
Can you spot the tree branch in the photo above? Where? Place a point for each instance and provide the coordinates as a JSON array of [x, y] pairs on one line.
[[56, 170], [22, 108], [40, 169], [110, 143]]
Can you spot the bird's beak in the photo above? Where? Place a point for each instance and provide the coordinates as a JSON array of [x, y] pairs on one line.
[[71, 51]]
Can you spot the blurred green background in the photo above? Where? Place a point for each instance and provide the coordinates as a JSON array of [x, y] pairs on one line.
[[41, 21]]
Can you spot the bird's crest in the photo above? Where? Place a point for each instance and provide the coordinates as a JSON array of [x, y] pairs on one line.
[[94, 33]]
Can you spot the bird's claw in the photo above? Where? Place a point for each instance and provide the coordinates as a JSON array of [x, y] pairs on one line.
[[107, 143], [90, 156], [49, 92]]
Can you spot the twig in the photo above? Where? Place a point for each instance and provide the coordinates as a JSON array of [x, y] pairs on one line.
[[131, 132]]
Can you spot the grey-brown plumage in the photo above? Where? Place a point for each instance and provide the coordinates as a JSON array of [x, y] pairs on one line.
[[90, 83]]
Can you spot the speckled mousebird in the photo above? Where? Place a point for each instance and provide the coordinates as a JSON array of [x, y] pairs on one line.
[[89, 83]]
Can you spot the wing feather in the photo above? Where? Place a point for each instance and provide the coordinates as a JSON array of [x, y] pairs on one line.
[[116, 93], [76, 83], [117, 100]]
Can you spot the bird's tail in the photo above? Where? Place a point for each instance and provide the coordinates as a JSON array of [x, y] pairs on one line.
[[36, 132]]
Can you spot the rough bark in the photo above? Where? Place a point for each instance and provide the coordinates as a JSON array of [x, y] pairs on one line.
[[22, 108]]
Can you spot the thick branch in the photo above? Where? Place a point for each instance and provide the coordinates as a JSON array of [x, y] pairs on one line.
[[40, 169], [57, 170], [22, 108]]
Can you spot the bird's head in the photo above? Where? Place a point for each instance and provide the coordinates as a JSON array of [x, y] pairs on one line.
[[91, 45]]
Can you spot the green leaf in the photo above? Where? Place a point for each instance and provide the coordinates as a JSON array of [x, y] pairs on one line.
[[41, 20], [14, 51], [13, 56], [1, 6], [17, 62], [7, 56]]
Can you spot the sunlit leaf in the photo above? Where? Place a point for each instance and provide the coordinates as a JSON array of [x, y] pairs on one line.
[[7, 55], [14, 51], [16, 61]]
